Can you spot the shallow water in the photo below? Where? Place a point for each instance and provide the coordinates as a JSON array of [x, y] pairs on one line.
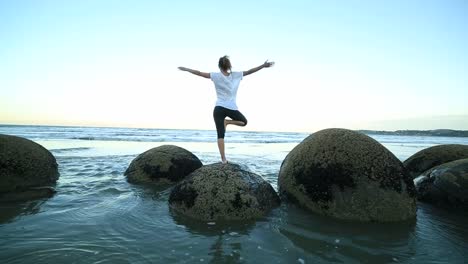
[[97, 217]]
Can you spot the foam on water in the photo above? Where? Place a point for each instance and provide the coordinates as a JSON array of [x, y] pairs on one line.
[[144, 135]]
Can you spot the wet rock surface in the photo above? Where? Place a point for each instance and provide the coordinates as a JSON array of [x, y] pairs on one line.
[[27, 170], [428, 158], [162, 165], [347, 175], [223, 192], [445, 185]]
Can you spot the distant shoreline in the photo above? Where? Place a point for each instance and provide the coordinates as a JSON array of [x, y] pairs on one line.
[[430, 133]]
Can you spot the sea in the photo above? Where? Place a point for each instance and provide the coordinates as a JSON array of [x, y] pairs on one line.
[[96, 216]]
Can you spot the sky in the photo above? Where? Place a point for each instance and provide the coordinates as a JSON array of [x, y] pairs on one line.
[[382, 65]]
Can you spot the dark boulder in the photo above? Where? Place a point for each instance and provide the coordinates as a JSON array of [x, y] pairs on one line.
[[428, 158], [27, 170], [162, 165], [446, 184], [347, 175], [223, 192]]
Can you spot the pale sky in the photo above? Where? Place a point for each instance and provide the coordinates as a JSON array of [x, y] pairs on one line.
[[354, 64]]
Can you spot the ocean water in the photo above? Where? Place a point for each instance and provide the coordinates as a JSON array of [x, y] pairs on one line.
[[97, 217]]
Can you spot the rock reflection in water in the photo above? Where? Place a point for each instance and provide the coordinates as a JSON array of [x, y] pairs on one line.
[[224, 249], [10, 211], [333, 240]]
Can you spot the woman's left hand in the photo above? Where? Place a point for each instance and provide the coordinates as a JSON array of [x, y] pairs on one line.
[[268, 64]]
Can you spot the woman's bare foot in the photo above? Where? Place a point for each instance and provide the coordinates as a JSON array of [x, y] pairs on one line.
[[232, 122]]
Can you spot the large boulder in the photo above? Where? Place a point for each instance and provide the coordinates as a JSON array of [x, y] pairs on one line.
[[27, 170], [347, 175], [428, 158], [446, 184], [162, 165], [223, 192]]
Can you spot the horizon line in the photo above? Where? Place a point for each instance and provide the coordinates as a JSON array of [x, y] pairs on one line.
[[199, 129]]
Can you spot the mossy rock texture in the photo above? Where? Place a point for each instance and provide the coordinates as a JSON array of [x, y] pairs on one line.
[[347, 175], [223, 192], [27, 170], [446, 184], [162, 165], [430, 157]]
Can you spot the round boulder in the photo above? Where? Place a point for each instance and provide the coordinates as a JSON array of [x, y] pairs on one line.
[[446, 184], [27, 170], [428, 158], [223, 192], [347, 175], [162, 165]]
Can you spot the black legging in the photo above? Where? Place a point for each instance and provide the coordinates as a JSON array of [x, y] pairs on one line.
[[220, 113]]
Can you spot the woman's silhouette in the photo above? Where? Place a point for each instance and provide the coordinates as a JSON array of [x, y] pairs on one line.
[[226, 83]]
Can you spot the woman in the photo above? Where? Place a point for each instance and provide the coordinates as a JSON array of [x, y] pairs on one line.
[[226, 83]]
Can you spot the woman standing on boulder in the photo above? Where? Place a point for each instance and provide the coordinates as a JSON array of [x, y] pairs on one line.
[[226, 84]]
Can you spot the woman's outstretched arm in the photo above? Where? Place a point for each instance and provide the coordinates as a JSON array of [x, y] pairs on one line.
[[266, 64], [199, 73]]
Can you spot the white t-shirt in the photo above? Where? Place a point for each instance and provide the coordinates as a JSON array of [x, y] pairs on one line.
[[226, 88]]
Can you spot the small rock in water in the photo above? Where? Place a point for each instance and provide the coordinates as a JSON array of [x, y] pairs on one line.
[[300, 260], [201, 260], [211, 223], [259, 247], [337, 241], [233, 233], [395, 259]]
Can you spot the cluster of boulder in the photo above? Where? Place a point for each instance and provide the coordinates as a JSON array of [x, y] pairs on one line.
[[335, 172], [441, 174], [209, 193]]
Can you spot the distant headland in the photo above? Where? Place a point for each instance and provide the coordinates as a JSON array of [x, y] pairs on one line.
[[431, 133]]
